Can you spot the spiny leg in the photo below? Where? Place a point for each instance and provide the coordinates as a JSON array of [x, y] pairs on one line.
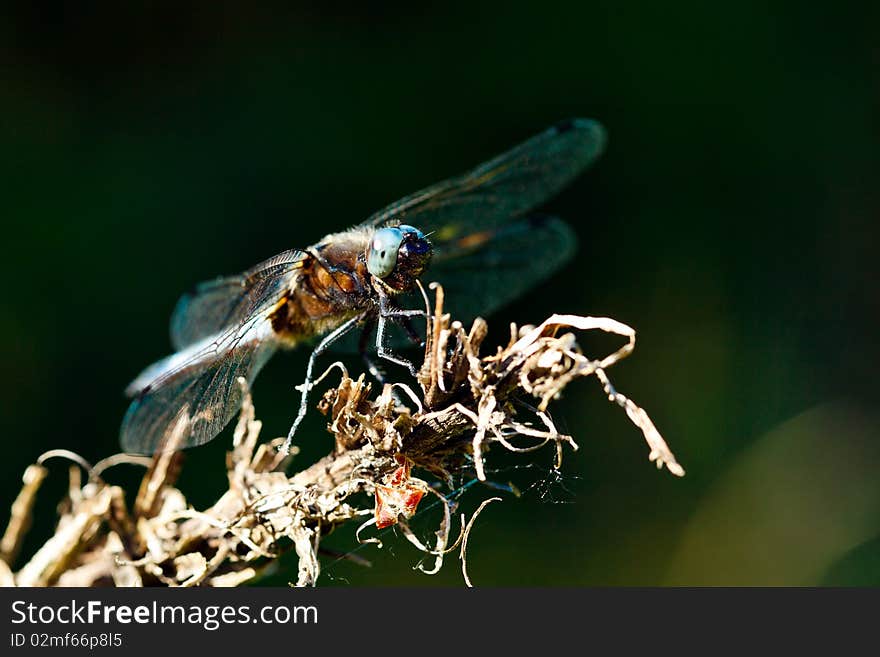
[[372, 366], [329, 339], [385, 353], [386, 312], [411, 332], [363, 341]]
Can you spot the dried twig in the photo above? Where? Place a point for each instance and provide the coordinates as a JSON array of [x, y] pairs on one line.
[[464, 405]]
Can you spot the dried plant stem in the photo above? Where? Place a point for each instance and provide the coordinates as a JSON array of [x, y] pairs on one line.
[[465, 404]]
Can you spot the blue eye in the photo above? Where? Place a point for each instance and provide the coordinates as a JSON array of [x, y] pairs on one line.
[[382, 257], [414, 231]]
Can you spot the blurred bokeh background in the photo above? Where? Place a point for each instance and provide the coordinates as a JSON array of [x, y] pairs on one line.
[[732, 221]]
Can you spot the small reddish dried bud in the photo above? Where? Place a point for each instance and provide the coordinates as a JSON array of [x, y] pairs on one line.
[[398, 496]]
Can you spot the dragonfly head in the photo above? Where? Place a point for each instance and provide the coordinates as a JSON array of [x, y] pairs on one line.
[[398, 255]]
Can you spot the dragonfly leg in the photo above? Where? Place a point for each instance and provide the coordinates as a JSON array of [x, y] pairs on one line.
[[372, 367], [329, 339], [411, 332], [385, 353], [386, 312]]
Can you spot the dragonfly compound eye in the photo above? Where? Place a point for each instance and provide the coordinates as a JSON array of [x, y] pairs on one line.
[[415, 250], [382, 257]]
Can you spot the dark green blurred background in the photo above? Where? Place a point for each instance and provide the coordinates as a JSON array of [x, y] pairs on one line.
[[732, 222]]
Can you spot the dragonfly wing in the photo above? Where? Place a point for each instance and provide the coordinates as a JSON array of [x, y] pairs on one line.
[[214, 306], [187, 399], [494, 267], [501, 189]]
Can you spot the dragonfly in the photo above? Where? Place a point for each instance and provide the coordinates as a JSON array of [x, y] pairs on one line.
[[479, 234]]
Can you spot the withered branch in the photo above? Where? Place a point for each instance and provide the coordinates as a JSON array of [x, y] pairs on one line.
[[463, 405]]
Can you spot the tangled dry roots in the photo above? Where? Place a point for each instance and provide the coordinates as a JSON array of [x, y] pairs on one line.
[[465, 403]]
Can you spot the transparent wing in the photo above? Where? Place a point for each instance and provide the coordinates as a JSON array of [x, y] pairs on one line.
[[214, 306], [191, 402], [489, 269], [221, 332], [503, 188]]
